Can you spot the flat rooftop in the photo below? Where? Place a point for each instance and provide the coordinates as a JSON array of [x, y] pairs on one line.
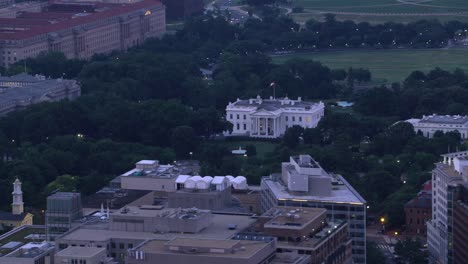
[[343, 193], [292, 217], [305, 162], [445, 119], [30, 91], [249, 248], [217, 230], [22, 235], [158, 211], [217, 243], [83, 252], [167, 171]]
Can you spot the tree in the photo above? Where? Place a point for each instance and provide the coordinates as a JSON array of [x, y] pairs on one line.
[[291, 136], [251, 150], [373, 254], [64, 183], [184, 141], [411, 251]]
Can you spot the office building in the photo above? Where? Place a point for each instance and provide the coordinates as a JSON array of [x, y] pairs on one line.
[[447, 180], [80, 30], [130, 226], [20, 91], [460, 227], [303, 183], [63, 208], [307, 231], [269, 118], [428, 125]]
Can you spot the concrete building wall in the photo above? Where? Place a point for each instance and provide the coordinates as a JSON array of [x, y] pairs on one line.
[[207, 200], [148, 183]]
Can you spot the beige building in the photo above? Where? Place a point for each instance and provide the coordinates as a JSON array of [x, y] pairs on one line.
[[207, 251], [80, 30], [83, 255]]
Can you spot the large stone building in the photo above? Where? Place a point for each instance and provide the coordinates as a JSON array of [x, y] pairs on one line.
[[20, 91], [460, 227], [80, 30], [303, 183], [448, 178], [428, 125], [269, 118]]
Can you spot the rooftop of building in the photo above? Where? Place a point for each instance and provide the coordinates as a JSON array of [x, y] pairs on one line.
[[26, 89], [117, 197], [32, 250], [20, 236], [318, 238], [159, 211], [342, 192], [232, 248], [60, 16], [422, 200], [153, 169], [445, 119], [292, 217], [273, 104], [305, 161], [64, 195], [9, 216], [219, 229], [81, 252]]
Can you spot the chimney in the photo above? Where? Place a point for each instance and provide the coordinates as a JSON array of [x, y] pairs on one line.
[[299, 99]]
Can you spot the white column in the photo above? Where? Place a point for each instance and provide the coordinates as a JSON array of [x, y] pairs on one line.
[[274, 127]]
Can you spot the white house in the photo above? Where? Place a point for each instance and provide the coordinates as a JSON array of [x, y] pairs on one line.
[[428, 125], [269, 118]]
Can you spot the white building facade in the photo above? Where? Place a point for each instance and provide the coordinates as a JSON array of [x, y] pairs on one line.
[[446, 179], [428, 125], [269, 118]]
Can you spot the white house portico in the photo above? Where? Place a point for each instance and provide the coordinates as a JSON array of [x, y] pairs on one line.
[[269, 118]]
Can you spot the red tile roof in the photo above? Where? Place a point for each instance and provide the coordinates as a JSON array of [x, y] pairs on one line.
[[49, 21]]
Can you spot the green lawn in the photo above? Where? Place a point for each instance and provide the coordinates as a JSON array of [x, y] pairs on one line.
[[388, 65], [378, 11]]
